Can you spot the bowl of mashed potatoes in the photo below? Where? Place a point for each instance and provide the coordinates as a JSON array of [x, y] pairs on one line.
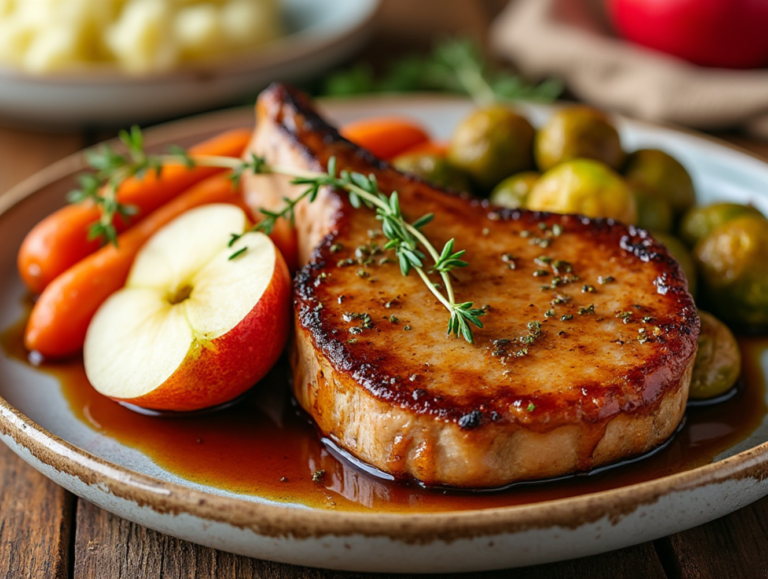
[[67, 62]]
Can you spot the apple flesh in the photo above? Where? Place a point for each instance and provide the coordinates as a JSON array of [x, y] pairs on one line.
[[192, 328]]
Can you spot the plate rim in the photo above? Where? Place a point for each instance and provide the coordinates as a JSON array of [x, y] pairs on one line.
[[274, 519]]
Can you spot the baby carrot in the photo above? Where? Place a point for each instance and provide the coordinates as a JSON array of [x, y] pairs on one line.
[[284, 237], [60, 318], [61, 240], [427, 148], [385, 137]]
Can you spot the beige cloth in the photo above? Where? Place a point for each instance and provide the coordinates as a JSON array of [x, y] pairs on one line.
[[571, 40]]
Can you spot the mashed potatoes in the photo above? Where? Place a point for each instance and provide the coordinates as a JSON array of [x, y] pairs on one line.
[[140, 36]]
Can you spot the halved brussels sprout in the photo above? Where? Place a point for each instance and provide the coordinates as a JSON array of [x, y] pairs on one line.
[[513, 191], [492, 143], [578, 132], [433, 168], [733, 261], [718, 360], [699, 222], [584, 186], [658, 173]]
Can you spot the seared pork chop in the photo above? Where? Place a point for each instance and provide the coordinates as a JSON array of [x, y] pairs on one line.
[[585, 357]]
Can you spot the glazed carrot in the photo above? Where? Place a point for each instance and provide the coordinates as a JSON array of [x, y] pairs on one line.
[[385, 137], [427, 148], [60, 318], [284, 237], [61, 240]]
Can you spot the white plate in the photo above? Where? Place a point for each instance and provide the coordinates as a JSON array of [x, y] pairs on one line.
[[320, 33], [37, 422]]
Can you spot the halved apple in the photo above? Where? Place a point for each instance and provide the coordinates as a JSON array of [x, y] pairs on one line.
[[193, 327]]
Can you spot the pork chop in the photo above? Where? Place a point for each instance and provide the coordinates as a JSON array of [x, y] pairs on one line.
[[585, 357]]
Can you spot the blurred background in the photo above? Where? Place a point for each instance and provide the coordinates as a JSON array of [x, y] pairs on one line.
[[68, 64]]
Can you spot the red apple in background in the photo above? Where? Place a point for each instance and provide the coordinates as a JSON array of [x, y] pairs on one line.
[[192, 328], [719, 33]]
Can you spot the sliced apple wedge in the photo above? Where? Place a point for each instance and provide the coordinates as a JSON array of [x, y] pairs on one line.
[[193, 327]]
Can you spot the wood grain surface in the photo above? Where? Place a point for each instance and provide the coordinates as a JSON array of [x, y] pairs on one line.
[[116, 548], [36, 522], [45, 532], [36, 516]]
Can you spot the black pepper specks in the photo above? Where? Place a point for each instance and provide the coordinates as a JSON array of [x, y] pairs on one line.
[[471, 420]]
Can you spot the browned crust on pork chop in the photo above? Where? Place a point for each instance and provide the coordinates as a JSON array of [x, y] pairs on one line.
[[605, 378]]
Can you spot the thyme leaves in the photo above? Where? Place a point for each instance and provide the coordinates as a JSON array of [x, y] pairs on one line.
[[454, 65], [411, 246]]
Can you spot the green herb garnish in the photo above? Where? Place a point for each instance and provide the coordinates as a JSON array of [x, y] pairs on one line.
[[405, 238], [454, 65], [318, 475]]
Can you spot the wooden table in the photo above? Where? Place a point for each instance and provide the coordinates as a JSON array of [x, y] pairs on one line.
[[47, 532]]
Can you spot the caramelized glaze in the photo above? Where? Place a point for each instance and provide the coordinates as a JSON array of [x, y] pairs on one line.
[[266, 446]]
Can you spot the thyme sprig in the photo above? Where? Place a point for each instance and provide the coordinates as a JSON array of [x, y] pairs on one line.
[[405, 238], [454, 65], [111, 168]]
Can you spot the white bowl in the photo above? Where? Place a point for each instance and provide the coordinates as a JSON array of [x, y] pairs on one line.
[[320, 33]]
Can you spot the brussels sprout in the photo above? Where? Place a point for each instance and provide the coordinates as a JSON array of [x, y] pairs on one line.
[[434, 169], [678, 250], [578, 132], [733, 261], [492, 143], [583, 186], [699, 222], [652, 212], [718, 361], [659, 174], [513, 191]]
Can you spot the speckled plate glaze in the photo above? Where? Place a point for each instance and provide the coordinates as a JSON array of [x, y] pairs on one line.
[[37, 423]]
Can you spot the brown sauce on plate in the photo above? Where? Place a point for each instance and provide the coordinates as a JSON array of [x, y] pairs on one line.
[[265, 446]]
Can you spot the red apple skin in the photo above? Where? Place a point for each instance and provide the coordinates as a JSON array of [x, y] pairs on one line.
[[718, 33], [231, 364]]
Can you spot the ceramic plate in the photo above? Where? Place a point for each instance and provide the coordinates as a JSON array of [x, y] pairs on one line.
[[353, 521], [319, 34]]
